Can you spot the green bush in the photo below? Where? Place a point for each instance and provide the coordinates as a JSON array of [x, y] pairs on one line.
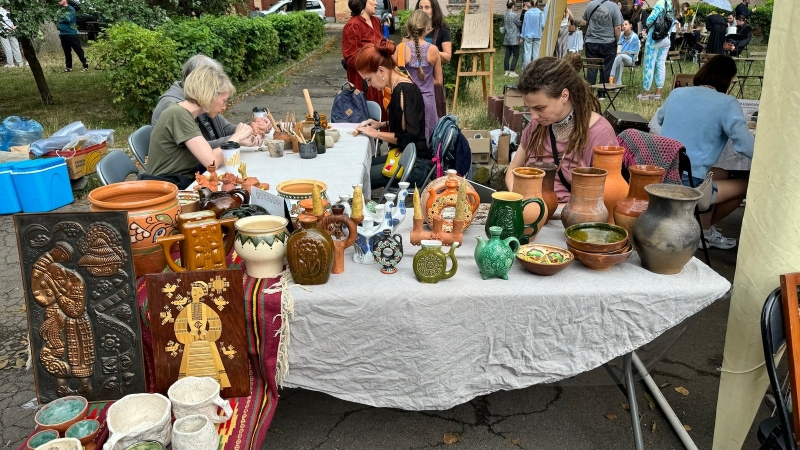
[[261, 46], [231, 31], [192, 38], [290, 26]]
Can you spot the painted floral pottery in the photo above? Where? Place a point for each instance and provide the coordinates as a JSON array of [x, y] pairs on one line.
[[528, 183], [199, 395], [299, 189], [666, 235], [146, 445], [309, 253], [138, 417], [245, 211], [41, 438], [61, 444], [615, 189], [62, 413], [438, 186], [261, 242], [152, 207], [506, 213], [85, 431], [194, 432], [596, 237], [388, 251], [548, 187], [631, 207], [335, 225], [430, 263], [543, 259], [443, 202], [601, 261], [189, 200], [221, 202], [201, 244], [586, 199], [369, 231], [308, 151], [495, 257]]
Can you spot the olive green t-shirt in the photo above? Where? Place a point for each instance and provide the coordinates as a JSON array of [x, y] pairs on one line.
[[168, 152]]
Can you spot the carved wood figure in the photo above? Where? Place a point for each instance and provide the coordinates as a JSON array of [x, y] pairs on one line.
[[84, 333], [201, 332]]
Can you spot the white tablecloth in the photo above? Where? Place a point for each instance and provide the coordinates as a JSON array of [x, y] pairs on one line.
[[390, 341]]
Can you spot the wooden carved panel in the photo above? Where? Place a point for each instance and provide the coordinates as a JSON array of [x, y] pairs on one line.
[[84, 332], [198, 326]]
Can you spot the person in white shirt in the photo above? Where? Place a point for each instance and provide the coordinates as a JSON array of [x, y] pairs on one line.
[[8, 40]]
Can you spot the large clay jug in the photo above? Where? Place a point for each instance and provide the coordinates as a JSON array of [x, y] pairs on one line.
[[666, 235], [443, 202], [528, 183], [631, 207], [309, 253], [586, 199], [616, 188], [548, 187]]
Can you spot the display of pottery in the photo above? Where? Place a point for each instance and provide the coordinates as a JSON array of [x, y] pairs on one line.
[[199, 395], [543, 259], [151, 207], [62, 413], [495, 256], [201, 244], [615, 189], [631, 207], [442, 202], [308, 150], [506, 213], [548, 187], [388, 251], [586, 199], [299, 189], [194, 432], [198, 329], [342, 231], [62, 444], [370, 228], [430, 263], [79, 286], [261, 242], [221, 202], [666, 234], [528, 183], [189, 201], [602, 261], [245, 211], [41, 438], [85, 431], [309, 253], [596, 237], [136, 418]]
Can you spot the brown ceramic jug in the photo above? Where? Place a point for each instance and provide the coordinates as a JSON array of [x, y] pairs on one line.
[[586, 200], [609, 157], [528, 183], [201, 243], [309, 253], [548, 187], [444, 203], [335, 225], [631, 207], [220, 202]]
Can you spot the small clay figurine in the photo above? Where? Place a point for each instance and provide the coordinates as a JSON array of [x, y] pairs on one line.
[[213, 178], [202, 181], [229, 181]]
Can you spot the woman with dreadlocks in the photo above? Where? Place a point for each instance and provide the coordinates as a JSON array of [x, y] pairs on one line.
[[421, 60], [565, 122]]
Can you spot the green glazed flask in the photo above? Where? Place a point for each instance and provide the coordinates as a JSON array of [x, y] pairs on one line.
[[430, 263], [495, 257]]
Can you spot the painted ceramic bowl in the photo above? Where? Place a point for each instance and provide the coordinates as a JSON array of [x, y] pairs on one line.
[[85, 430], [62, 413], [41, 438], [62, 444], [543, 259], [146, 445], [261, 242], [601, 261], [299, 189], [189, 201], [596, 237]]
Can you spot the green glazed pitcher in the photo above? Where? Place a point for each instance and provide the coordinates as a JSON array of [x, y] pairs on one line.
[[495, 257], [506, 213], [430, 263]]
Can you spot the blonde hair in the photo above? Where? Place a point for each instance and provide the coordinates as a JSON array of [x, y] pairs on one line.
[[206, 84], [417, 23]]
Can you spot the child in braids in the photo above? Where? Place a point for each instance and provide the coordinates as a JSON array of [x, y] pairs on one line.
[[421, 60]]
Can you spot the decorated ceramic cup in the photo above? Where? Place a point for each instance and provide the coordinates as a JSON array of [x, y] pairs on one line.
[[261, 242], [194, 432], [198, 395], [138, 417]]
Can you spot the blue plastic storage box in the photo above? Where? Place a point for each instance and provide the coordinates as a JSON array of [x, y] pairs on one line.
[[42, 185], [10, 202]]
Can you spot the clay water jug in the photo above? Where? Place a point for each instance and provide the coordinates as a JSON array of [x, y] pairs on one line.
[[528, 183], [495, 257], [548, 187], [616, 188], [631, 207], [430, 263], [309, 253], [335, 225], [666, 235], [586, 200]]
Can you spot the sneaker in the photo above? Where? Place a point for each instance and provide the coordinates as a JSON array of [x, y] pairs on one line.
[[512, 74], [715, 239]]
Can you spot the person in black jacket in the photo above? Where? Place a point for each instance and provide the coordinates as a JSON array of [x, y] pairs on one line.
[[745, 31], [715, 24], [743, 9]]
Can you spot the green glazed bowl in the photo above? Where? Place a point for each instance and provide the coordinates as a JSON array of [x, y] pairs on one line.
[[62, 413], [85, 430], [596, 237], [146, 445], [41, 438]]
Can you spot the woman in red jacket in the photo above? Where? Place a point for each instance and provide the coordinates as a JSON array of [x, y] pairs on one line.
[[362, 28]]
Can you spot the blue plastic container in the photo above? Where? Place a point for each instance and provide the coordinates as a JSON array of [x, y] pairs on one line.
[[10, 203], [42, 184]]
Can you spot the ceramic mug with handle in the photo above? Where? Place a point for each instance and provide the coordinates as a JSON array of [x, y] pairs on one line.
[[138, 417], [198, 395], [194, 432]]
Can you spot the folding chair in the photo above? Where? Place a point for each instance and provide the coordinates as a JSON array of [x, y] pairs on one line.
[[682, 80], [407, 160], [374, 110], [139, 143], [611, 90], [703, 58], [115, 167], [673, 57]]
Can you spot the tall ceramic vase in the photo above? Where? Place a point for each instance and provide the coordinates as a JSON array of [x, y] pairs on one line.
[[586, 200], [666, 235], [548, 187], [631, 207], [528, 183], [616, 188]]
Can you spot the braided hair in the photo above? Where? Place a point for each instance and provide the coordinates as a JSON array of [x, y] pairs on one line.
[[417, 23]]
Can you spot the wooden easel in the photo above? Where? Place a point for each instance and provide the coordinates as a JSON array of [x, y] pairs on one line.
[[477, 53]]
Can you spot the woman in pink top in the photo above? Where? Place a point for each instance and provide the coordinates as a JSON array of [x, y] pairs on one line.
[[563, 110]]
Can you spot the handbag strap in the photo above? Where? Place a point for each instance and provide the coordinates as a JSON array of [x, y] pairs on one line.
[[555, 159], [587, 22]]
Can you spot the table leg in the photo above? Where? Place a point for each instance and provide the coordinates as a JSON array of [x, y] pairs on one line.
[[637, 429]]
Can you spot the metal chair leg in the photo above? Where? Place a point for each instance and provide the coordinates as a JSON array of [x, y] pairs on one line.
[[631, 388]]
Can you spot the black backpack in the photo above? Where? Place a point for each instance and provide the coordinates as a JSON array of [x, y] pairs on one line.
[[349, 106], [662, 24]]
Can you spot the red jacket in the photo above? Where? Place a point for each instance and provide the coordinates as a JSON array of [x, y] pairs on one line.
[[355, 35]]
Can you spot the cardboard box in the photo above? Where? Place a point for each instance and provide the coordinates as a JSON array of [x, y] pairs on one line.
[[480, 142], [512, 97], [82, 162]]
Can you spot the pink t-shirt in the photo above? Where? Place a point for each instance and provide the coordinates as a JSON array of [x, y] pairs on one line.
[[601, 133]]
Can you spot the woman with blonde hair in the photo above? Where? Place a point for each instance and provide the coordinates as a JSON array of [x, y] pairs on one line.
[[177, 148], [425, 71], [565, 122]]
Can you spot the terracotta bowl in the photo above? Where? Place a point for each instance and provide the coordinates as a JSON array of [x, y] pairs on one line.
[[85, 431], [596, 237], [62, 413], [601, 261], [543, 259], [41, 438]]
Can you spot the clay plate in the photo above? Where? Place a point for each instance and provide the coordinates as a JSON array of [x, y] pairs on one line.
[[542, 259], [62, 413], [596, 237], [600, 261]]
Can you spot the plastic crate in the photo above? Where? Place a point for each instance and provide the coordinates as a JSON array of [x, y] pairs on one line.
[[42, 184], [10, 203]]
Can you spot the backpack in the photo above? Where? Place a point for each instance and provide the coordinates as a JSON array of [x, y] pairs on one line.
[[349, 106], [450, 148], [662, 25]]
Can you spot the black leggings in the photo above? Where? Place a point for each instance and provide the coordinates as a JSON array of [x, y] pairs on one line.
[[509, 50], [70, 42]]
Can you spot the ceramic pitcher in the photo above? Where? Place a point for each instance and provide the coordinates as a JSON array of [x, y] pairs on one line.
[[138, 417], [586, 199], [194, 432], [506, 213], [495, 257], [528, 183], [198, 395], [631, 207], [609, 157], [201, 243], [430, 263], [548, 187]]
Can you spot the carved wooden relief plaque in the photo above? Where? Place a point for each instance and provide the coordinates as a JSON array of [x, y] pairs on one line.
[[198, 326], [83, 325]]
